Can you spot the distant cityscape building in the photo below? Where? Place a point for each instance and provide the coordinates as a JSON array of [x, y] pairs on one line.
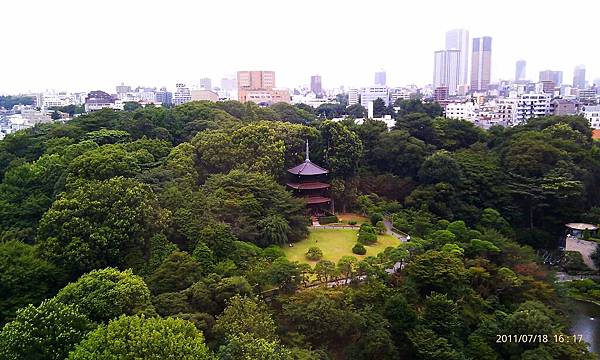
[[353, 97], [481, 63], [227, 84], [315, 85], [532, 105], [372, 93], [458, 39], [548, 86], [380, 78], [592, 113], [123, 89], [97, 100], [446, 71], [206, 83], [556, 76], [182, 94], [259, 87], [163, 96], [203, 94], [520, 70], [563, 107], [440, 93], [579, 77]]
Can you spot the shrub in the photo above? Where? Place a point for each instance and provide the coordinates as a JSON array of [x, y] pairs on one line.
[[352, 222], [376, 217], [367, 238], [368, 228], [380, 227], [314, 254], [328, 219], [359, 249]]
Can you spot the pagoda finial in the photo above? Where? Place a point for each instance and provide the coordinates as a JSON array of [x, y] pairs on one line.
[[307, 158]]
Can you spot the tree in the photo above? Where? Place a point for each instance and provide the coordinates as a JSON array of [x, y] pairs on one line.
[[357, 111], [343, 148], [440, 167], [244, 346], [177, 272], [375, 341], [99, 224], [108, 293], [441, 315], [273, 230], [325, 270], [379, 108], [204, 256], [314, 253], [131, 106], [137, 337], [399, 153], [285, 274], [24, 278], [427, 345], [48, 331], [246, 315], [437, 271], [346, 266]]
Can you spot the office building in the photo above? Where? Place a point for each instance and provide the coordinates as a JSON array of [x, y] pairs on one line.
[[446, 72], [592, 113], [458, 39], [520, 70], [182, 94], [440, 93], [579, 77], [481, 63], [204, 94], [163, 96], [227, 84], [315, 85], [353, 97], [460, 111], [551, 75], [97, 100], [259, 87], [563, 107], [380, 78], [548, 87], [123, 89], [206, 84], [372, 93]]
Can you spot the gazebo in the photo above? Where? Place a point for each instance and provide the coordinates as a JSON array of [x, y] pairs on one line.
[[310, 182]]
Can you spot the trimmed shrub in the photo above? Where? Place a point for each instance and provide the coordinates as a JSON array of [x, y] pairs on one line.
[[376, 217], [367, 238], [359, 249], [314, 253], [380, 228], [352, 222], [368, 228], [323, 220]]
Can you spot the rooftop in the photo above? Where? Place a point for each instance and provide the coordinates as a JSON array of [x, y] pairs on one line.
[[308, 168], [581, 226]]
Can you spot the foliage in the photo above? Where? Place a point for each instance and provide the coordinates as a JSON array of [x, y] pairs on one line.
[[108, 293], [314, 253], [359, 249], [324, 220], [177, 272], [366, 238], [48, 331], [135, 337]]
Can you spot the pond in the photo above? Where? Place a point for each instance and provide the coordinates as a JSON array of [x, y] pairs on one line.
[[585, 319]]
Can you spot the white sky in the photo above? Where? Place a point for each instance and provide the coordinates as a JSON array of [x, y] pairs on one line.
[[84, 45]]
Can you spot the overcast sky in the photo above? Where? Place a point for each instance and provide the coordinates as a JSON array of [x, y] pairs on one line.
[[85, 45]]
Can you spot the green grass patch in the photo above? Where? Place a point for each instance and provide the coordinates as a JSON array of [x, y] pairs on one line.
[[335, 244]]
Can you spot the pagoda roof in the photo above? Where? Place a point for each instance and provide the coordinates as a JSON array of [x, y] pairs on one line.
[[308, 185], [308, 168], [313, 200]]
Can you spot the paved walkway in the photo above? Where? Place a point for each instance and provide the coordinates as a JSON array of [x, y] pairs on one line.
[[390, 231]]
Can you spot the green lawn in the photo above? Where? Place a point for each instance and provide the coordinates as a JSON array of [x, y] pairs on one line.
[[335, 244]]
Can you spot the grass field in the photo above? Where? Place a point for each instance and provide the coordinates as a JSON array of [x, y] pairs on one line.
[[335, 244], [345, 217]]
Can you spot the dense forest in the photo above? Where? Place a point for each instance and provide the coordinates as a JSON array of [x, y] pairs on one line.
[[158, 233]]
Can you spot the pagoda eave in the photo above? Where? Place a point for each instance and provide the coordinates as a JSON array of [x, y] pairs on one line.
[[309, 186]]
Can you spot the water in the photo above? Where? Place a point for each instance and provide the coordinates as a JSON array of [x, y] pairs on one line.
[[586, 321]]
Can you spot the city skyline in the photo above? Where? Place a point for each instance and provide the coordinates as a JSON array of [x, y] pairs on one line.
[[169, 47]]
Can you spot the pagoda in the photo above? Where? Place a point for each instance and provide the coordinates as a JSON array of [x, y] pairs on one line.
[[310, 182]]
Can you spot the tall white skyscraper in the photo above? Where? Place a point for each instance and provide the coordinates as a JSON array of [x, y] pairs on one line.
[[458, 39], [446, 70], [579, 77], [520, 70]]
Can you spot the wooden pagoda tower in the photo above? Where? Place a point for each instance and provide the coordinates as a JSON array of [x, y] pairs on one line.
[[310, 182]]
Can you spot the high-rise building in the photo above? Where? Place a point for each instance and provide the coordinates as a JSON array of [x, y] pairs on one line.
[[123, 89], [182, 94], [163, 96], [579, 77], [458, 39], [353, 97], [520, 70], [446, 70], [550, 75], [206, 83], [259, 87], [315, 85], [372, 93], [481, 63], [380, 78], [227, 84]]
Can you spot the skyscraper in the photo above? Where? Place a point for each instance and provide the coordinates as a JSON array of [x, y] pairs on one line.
[[458, 39], [315, 85], [380, 78], [550, 75], [446, 70], [579, 77], [206, 83], [520, 70], [481, 63]]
